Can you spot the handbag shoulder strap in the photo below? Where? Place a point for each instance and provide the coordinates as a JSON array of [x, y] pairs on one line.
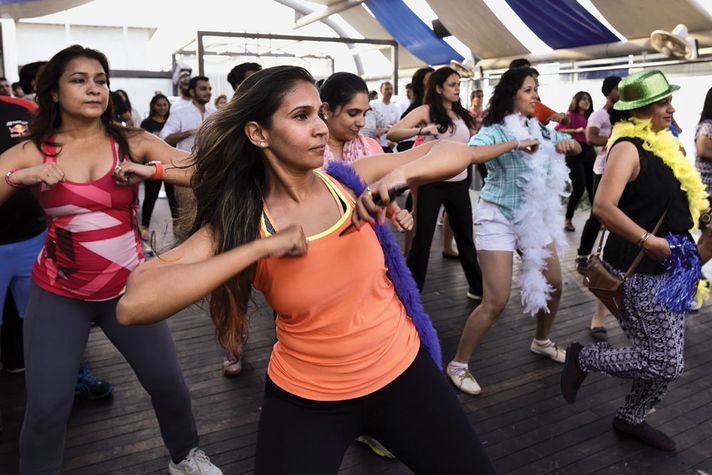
[[639, 257]]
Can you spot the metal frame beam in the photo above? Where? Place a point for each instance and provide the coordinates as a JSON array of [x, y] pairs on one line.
[[318, 39], [332, 9]]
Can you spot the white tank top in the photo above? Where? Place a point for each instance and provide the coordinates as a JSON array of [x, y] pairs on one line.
[[460, 134]]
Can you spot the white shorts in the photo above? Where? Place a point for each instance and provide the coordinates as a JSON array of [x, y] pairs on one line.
[[493, 232]]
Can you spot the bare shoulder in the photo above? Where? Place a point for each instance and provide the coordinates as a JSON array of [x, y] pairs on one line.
[[146, 147], [623, 162], [139, 139], [623, 149], [23, 155], [423, 112]]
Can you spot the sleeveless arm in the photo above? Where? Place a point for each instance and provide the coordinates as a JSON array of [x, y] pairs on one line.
[[409, 126], [21, 156], [182, 276], [623, 167]]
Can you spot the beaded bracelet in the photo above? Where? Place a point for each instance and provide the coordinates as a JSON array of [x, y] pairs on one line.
[[9, 182]]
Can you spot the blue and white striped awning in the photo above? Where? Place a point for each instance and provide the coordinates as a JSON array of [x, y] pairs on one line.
[[496, 29], [511, 28]]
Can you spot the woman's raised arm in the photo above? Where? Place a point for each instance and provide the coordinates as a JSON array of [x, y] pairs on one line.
[[175, 167], [22, 166], [422, 165], [430, 162], [412, 125]]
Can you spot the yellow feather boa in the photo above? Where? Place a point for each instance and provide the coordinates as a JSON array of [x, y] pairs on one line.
[[664, 145]]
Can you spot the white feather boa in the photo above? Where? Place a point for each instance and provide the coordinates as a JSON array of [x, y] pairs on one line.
[[540, 219]]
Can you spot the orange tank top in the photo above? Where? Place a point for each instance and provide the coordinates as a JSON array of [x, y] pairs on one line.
[[342, 330]]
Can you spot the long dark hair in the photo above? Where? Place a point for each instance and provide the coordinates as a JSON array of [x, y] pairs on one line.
[[438, 113], [152, 105], [573, 107], [340, 88], [501, 103], [48, 119], [418, 84], [707, 108], [616, 116], [125, 96], [229, 182]]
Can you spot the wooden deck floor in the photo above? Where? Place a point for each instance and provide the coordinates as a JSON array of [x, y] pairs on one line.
[[520, 416]]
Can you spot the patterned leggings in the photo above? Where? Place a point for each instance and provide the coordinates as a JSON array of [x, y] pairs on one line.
[[655, 357]]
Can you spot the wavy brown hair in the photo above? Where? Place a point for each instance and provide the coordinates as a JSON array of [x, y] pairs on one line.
[[501, 103], [438, 113], [229, 182], [48, 119]]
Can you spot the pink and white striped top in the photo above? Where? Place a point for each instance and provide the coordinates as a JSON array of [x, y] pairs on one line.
[[92, 242]]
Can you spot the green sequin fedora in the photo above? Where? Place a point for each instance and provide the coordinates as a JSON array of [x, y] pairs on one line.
[[641, 89]]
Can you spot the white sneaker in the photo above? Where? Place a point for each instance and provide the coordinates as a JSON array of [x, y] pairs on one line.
[[463, 379], [196, 463], [550, 350]]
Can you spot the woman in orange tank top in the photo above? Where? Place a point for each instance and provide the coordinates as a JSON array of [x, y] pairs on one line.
[[349, 358]]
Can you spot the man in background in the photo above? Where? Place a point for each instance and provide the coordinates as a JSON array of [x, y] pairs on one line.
[[179, 131], [17, 90], [5, 89], [181, 79], [241, 72], [390, 111]]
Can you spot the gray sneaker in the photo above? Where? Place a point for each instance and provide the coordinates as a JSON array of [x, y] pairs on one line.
[[196, 463]]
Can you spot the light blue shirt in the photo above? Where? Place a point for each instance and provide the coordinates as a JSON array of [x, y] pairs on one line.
[[503, 172]]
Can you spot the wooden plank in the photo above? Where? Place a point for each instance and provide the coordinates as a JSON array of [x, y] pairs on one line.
[[520, 416]]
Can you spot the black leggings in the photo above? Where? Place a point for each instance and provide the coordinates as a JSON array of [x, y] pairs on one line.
[[151, 190], [455, 196], [592, 226], [581, 174], [417, 417]]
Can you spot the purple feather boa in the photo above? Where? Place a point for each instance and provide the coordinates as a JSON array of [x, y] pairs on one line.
[[684, 267], [398, 271]]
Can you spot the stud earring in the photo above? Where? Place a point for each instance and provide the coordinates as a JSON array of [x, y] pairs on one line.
[[326, 117], [263, 145]]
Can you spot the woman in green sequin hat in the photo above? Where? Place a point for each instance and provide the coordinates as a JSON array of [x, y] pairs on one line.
[[647, 180]]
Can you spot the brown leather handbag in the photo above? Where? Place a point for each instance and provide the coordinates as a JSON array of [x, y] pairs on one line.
[[605, 285]]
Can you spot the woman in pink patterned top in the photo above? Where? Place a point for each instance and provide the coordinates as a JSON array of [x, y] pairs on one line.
[[75, 159], [345, 98], [581, 165]]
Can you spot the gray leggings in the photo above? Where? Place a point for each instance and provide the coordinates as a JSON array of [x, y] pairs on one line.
[[56, 330]]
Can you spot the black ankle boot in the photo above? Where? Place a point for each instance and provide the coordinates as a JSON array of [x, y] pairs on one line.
[[572, 375], [645, 433]]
